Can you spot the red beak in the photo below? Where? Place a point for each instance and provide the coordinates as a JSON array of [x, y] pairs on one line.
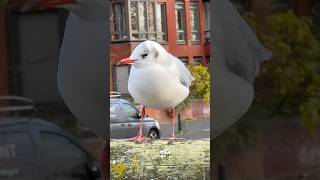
[[46, 4], [125, 61]]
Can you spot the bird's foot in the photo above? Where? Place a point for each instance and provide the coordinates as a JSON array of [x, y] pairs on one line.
[[139, 138]]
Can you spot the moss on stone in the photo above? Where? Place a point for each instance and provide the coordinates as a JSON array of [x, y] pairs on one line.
[[186, 159]]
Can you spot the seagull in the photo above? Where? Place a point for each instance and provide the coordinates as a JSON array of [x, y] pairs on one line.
[[82, 69], [237, 57], [157, 80]]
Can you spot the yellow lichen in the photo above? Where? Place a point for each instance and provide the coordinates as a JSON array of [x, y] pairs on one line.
[[119, 170]]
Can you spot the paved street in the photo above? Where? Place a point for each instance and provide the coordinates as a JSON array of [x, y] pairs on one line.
[[196, 129]]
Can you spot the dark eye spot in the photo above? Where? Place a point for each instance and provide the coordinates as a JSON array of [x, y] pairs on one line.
[[145, 54]]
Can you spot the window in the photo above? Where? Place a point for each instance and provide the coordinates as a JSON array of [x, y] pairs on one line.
[[130, 110], [118, 23], [65, 159], [148, 20], [184, 60], [194, 21], [280, 5], [114, 109], [115, 113], [180, 22], [196, 60], [17, 156]]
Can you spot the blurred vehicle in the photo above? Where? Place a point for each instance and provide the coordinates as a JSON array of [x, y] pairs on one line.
[[125, 120], [35, 149]]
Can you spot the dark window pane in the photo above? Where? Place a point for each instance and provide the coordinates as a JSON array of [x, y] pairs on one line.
[[184, 60], [280, 5], [196, 60], [18, 156], [65, 159], [13, 145]]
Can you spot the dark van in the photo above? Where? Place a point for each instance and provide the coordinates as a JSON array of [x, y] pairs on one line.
[[38, 150]]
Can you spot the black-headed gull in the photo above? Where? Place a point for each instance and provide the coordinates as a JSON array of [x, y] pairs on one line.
[[236, 61], [157, 80], [82, 71]]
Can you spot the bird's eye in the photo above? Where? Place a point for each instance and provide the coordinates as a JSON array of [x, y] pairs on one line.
[[145, 54]]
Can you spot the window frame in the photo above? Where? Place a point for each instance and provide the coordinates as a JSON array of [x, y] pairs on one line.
[[196, 3], [186, 61], [181, 2], [148, 33], [124, 19], [275, 7], [196, 57]]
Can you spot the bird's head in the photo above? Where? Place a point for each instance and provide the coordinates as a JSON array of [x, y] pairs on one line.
[[88, 10], [146, 52]]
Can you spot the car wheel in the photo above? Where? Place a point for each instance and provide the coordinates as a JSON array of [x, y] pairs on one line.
[[153, 134]]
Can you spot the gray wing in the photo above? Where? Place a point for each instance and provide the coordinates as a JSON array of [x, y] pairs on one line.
[[185, 76], [244, 53]]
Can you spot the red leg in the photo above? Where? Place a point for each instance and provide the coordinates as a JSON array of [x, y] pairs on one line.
[[173, 137], [140, 137]]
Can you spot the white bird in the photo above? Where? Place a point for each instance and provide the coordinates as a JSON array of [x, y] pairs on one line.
[[236, 61], [82, 69], [157, 80]]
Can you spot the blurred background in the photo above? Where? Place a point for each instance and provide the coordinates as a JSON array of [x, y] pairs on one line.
[[277, 139], [279, 136], [29, 53]]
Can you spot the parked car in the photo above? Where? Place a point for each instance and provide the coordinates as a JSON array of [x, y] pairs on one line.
[[125, 121], [36, 149]]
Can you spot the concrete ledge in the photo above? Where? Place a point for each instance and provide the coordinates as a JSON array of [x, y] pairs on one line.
[[161, 159]]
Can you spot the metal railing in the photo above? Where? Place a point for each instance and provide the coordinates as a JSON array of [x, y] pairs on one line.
[[10, 108], [115, 95]]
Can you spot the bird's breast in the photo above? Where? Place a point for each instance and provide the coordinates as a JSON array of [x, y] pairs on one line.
[[156, 87]]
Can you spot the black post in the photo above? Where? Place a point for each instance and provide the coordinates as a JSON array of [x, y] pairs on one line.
[[179, 123]]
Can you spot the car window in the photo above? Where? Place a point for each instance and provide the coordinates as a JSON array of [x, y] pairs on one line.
[[114, 109], [129, 109], [17, 155], [65, 159]]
